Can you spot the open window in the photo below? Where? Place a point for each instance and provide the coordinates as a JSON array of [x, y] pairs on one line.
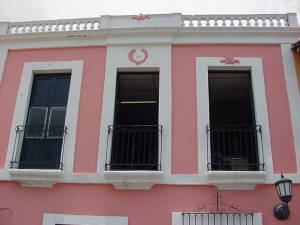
[[135, 132], [41, 138], [232, 131]]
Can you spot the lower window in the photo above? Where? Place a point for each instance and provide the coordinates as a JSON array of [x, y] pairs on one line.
[[40, 141]]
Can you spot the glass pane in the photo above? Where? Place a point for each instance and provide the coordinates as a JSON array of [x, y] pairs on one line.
[[56, 122], [36, 122]]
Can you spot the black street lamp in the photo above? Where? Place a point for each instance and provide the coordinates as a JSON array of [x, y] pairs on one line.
[[285, 194]]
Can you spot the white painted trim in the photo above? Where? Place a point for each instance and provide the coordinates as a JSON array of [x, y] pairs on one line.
[[203, 65], [54, 219], [177, 219], [293, 95], [159, 60], [23, 98], [3, 55]]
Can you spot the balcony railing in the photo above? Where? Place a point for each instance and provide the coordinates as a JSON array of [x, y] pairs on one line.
[[134, 147], [218, 219], [234, 147], [44, 147]]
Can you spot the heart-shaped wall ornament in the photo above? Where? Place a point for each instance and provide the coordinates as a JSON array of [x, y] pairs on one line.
[[138, 56]]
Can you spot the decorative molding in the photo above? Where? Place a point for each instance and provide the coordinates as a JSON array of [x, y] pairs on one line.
[[141, 17], [235, 180], [229, 60], [133, 180], [36, 178], [137, 58], [54, 219]]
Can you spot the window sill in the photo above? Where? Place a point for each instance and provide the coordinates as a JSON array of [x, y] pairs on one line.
[[133, 180], [236, 180], [36, 177]]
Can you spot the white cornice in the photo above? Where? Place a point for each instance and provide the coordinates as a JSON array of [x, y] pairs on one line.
[[173, 32]]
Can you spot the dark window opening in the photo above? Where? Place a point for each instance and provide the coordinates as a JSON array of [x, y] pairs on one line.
[[44, 130], [135, 143], [233, 130]]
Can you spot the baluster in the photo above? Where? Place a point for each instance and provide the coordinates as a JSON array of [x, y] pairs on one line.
[[22, 29], [231, 22], [256, 22], [56, 27], [42, 27], [10, 28], [263, 21], [285, 22], [223, 22], [63, 26], [182, 22], [248, 24], [30, 28], [207, 22], [272, 22], [191, 21], [84, 26], [199, 22], [216, 22], [240, 24]]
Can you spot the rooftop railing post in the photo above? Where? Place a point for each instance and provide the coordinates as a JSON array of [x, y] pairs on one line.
[[292, 20], [4, 27]]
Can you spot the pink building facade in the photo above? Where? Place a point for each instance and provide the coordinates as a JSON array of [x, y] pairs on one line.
[[160, 119]]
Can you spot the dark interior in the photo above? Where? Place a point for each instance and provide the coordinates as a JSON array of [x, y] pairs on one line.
[[233, 132], [135, 129]]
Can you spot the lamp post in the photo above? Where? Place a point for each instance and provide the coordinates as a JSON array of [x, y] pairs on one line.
[[285, 194]]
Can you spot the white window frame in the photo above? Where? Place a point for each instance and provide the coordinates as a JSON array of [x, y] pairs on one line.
[[53, 219], [117, 60], [255, 66], [75, 68]]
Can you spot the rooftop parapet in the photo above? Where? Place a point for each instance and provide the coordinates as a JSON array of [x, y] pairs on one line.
[[153, 20]]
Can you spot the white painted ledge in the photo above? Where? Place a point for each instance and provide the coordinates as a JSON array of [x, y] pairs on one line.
[[36, 177], [235, 180], [133, 180]]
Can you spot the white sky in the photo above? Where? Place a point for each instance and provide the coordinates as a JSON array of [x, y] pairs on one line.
[[24, 10]]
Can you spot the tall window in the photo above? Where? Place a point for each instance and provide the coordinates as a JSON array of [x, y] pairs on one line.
[[233, 131], [135, 142], [44, 130]]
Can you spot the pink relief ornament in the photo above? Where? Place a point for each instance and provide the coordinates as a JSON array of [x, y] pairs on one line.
[[140, 17], [138, 57], [229, 60]]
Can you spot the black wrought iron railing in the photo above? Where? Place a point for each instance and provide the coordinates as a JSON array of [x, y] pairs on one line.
[[134, 147], [234, 147], [218, 218], [37, 147]]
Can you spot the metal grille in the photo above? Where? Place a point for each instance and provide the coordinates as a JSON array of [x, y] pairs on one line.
[[46, 137], [218, 219], [134, 147], [234, 147]]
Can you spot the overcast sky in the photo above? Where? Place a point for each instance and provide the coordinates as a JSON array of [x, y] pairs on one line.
[[24, 10]]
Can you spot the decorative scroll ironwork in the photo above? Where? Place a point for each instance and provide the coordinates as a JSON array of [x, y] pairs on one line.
[[219, 213]]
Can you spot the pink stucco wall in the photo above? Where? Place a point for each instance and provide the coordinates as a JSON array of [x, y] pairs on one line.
[[152, 207], [184, 117], [90, 98]]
